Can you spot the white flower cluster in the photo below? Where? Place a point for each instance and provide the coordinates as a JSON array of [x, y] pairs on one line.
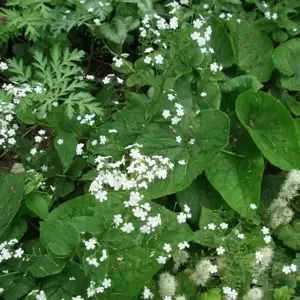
[[203, 271], [85, 77], [230, 294], [177, 114], [7, 126], [147, 294], [266, 232], [39, 294], [41, 136], [87, 119], [3, 66], [279, 211], [225, 16], [21, 91], [213, 226], [289, 269], [7, 252], [100, 289], [184, 215], [268, 14], [92, 261], [214, 67], [133, 177], [108, 79], [202, 36]]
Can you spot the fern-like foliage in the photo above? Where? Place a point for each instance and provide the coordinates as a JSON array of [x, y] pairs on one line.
[[58, 74]]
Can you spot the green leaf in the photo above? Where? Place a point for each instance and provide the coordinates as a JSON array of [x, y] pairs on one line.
[[207, 238], [59, 237], [222, 44], [115, 31], [47, 265], [253, 50], [87, 224], [241, 84], [283, 293], [38, 203], [286, 57], [11, 192], [290, 235], [212, 294], [67, 150], [237, 176], [271, 128], [292, 104]]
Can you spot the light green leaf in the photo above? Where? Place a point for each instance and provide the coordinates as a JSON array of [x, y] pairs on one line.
[[88, 224], [38, 203], [290, 235], [67, 150], [59, 237], [283, 293], [212, 294], [47, 265], [207, 238], [115, 31], [253, 50], [11, 192], [271, 128]]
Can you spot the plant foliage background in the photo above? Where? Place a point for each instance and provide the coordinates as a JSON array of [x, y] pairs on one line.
[[150, 149]]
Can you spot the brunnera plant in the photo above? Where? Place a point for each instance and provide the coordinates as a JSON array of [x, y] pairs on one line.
[[149, 150]]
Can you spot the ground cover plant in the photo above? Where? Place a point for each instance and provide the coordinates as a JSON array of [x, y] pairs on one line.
[[150, 149]]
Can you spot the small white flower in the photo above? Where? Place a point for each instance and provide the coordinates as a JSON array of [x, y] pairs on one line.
[[213, 269], [19, 253], [274, 16], [147, 60], [106, 283], [211, 226], [90, 244], [161, 260], [33, 151], [90, 9], [203, 94], [178, 139], [118, 220], [265, 230], [267, 239], [60, 141], [173, 23], [44, 168], [159, 59], [268, 15], [167, 248], [97, 22], [286, 270], [127, 227], [241, 236], [147, 294], [183, 245], [166, 113], [198, 23], [223, 225], [181, 162], [181, 218], [253, 206], [220, 250], [293, 268], [171, 97]]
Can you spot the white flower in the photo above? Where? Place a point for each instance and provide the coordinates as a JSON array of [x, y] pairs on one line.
[[173, 23], [171, 97], [167, 248], [120, 80], [161, 260], [223, 225], [213, 269], [112, 131], [118, 220], [147, 60], [178, 139], [240, 236], [90, 9], [97, 22], [265, 230], [286, 270], [253, 206], [92, 262], [103, 140], [198, 23], [19, 253], [293, 268], [147, 293], [211, 226], [268, 15], [118, 62], [33, 151], [79, 149], [145, 229], [203, 94], [181, 218], [90, 244], [183, 245], [220, 250], [274, 16], [149, 50], [60, 141], [106, 283], [44, 168], [166, 113], [106, 80], [127, 227], [181, 162], [267, 239], [159, 59]]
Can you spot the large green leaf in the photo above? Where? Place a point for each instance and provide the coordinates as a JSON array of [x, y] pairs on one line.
[[59, 237], [237, 175], [38, 203], [253, 50], [11, 192], [115, 31], [271, 128], [65, 144]]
